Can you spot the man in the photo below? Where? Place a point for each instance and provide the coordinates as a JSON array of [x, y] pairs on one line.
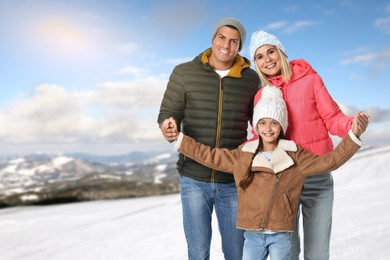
[[211, 99]]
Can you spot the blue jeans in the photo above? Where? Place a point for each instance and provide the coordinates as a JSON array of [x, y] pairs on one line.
[[317, 206], [258, 245], [198, 201]]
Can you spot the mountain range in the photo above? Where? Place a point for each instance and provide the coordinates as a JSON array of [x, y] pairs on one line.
[[55, 178], [51, 178]]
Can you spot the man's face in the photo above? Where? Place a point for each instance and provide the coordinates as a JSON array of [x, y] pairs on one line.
[[224, 47]]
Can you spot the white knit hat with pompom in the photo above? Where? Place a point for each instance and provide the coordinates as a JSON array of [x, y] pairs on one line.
[[271, 105], [261, 38]]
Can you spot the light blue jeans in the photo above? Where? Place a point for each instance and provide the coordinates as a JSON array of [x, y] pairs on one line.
[[258, 245], [198, 201], [317, 206]]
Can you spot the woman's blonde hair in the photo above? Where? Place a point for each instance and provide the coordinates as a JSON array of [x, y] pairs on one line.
[[286, 70]]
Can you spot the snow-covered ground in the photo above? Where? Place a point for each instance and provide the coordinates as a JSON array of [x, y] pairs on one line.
[[151, 229]]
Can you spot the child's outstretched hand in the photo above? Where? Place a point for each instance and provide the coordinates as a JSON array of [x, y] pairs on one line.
[[359, 124], [169, 129]]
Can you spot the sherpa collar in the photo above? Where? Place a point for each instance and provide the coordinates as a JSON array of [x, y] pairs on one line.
[[280, 160]]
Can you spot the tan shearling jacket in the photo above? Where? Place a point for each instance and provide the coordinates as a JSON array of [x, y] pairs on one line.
[[270, 202]]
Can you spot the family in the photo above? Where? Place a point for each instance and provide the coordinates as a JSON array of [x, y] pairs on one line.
[[259, 187]]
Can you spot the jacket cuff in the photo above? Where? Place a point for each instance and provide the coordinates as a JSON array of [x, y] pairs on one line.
[[354, 138], [178, 142]]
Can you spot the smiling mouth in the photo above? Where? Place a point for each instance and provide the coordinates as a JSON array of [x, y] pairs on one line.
[[271, 66], [223, 51]]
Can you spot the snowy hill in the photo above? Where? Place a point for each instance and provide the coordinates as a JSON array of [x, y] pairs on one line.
[[43, 178], [151, 229], [361, 226]]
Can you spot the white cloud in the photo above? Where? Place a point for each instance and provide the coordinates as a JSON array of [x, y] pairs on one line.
[[299, 25], [377, 114], [288, 27], [131, 70], [356, 51], [379, 123], [362, 58], [129, 95], [112, 117], [350, 4], [375, 61], [387, 9], [51, 112], [347, 109], [383, 24], [116, 128], [276, 25], [112, 113]]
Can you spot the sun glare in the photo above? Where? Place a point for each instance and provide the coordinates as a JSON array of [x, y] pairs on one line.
[[61, 36]]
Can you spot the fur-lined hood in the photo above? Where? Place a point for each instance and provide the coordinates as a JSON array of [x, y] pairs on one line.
[[280, 160]]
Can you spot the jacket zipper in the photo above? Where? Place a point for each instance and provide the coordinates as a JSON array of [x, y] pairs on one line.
[[218, 134], [270, 203]]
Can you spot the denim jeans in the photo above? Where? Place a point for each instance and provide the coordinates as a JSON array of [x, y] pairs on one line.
[[317, 206], [258, 245], [198, 201]]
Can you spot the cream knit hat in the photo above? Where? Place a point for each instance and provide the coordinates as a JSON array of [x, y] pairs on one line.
[[261, 38], [271, 105]]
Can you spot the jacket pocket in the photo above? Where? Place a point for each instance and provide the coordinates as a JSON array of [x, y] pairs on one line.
[[287, 204]]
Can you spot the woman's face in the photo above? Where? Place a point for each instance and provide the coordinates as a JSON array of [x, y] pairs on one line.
[[268, 60]]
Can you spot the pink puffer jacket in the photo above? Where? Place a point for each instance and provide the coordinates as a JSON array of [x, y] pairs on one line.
[[312, 112]]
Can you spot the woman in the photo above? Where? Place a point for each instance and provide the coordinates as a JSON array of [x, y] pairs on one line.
[[313, 114]]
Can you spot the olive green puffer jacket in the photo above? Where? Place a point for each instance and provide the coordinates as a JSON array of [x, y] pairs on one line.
[[213, 110]]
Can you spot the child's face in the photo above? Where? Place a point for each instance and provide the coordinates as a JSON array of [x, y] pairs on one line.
[[268, 60], [269, 129]]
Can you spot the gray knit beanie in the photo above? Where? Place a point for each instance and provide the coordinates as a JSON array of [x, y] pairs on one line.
[[233, 22]]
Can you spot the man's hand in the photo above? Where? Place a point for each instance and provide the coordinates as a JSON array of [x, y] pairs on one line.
[[169, 129], [359, 124]]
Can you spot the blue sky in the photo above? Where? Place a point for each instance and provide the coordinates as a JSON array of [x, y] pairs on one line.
[[88, 76]]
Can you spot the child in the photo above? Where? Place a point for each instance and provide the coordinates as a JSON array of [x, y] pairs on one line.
[[269, 173]]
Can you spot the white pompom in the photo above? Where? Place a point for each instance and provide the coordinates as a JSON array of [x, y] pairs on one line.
[[271, 92]]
